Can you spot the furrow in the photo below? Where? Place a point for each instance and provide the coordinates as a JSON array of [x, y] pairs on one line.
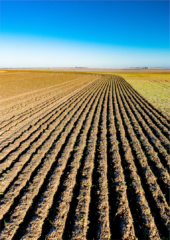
[[26, 201], [79, 228], [34, 162], [21, 120], [121, 221], [154, 142], [103, 228], [154, 129], [38, 107], [8, 124], [40, 96], [29, 108], [153, 193], [6, 121], [85, 160], [26, 154], [35, 226], [56, 220], [99, 227], [143, 221], [16, 136], [21, 146], [146, 149], [154, 113]]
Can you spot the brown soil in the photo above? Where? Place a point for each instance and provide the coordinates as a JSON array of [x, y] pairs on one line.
[[84, 160]]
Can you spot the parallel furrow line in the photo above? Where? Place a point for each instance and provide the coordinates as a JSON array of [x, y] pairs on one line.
[[99, 226], [79, 228], [158, 115], [154, 129], [16, 135], [45, 95], [39, 106], [61, 204], [27, 198], [153, 141], [121, 221], [146, 149], [25, 157], [143, 221], [21, 119], [26, 140], [149, 183], [43, 204]]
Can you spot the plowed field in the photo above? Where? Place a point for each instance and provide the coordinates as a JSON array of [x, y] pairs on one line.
[[87, 161]]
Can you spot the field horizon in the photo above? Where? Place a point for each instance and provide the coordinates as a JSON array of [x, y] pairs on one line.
[[143, 80]]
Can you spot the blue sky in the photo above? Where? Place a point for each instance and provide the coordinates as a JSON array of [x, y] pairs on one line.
[[109, 34]]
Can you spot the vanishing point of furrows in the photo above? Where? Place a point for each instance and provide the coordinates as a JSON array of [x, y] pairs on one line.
[[87, 162]]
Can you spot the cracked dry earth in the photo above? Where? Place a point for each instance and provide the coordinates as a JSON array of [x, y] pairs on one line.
[[90, 162]]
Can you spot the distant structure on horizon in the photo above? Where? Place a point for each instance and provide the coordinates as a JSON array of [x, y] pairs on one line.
[[81, 67], [140, 67]]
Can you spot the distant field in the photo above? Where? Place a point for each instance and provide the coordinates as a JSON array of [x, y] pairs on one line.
[[82, 156], [25, 87], [154, 85], [13, 83]]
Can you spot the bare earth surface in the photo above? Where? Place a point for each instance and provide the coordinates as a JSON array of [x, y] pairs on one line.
[[82, 156], [152, 83]]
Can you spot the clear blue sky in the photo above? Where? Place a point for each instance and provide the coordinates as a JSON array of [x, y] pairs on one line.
[[84, 33]]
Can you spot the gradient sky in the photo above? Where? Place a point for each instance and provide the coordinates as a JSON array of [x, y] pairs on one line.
[[109, 34]]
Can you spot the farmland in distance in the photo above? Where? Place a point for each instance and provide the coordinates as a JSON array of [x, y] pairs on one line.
[[82, 156], [153, 84]]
